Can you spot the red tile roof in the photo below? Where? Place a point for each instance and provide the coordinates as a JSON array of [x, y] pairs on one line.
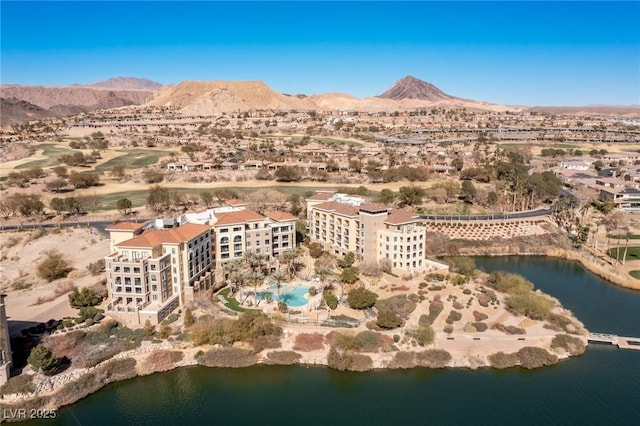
[[334, 206], [235, 202], [154, 237], [398, 217], [233, 218], [280, 216], [321, 196]]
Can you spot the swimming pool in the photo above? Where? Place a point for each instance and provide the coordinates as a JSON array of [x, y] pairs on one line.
[[292, 296]]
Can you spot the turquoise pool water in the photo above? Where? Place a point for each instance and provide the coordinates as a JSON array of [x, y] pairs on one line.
[[292, 296]]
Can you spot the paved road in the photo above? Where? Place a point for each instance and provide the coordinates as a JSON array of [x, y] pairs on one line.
[[494, 216], [100, 225]]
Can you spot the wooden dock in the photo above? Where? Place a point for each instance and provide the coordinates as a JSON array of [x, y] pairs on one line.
[[632, 343]]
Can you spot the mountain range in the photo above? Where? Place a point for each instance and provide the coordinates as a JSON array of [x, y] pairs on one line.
[[23, 103]]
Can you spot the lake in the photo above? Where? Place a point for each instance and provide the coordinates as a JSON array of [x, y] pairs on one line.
[[600, 387]]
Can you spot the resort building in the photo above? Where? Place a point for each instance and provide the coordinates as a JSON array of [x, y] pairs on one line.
[[5, 345], [244, 231], [158, 266], [375, 233], [151, 274]]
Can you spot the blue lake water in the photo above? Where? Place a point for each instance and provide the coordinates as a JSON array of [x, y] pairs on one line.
[[600, 387]]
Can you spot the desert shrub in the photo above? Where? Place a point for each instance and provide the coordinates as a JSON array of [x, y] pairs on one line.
[[342, 341], [453, 317], [448, 329], [484, 300], [435, 308], [572, 345], [501, 360], [457, 305], [283, 358], [388, 319], [88, 313], [361, 298], [42, 358], [424, 334], [211, 331], [360, 362], [532, 357], [189, 319], [330, 299], [433, 358], [84, 298], [368, 341], [480, 326], [315, 250], [54, 266], [466, 291], [228, 357], [403, 360], [399, 304], [534, 306], [96, 267], [558, 322], [171, 318], [64, 345], [308, 342], [479, 316], [163, 360], [268, 341], [462, 265], [338, 360], [509, 283], [313, 291], [459, 279], [22, 383]]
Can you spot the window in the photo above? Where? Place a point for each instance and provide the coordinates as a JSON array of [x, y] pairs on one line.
[[126, 270], [224, 230], [224, 240], [237, 229], [116, 269], [237, 239], [136, 270], [153, 267]]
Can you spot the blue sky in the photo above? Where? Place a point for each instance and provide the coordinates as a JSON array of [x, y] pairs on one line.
[[527, 53]]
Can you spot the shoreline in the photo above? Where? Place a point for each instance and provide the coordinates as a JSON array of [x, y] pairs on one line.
[[66, 391]]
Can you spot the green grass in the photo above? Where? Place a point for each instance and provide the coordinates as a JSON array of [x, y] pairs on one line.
[[624, 237], [53, 154], [132, 159], [635, 274], [232, 303], [138, 198], [633, 253]]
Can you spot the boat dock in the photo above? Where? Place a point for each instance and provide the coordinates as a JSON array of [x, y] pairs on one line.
[[632, 343]]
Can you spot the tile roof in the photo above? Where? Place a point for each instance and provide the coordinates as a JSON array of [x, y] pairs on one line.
[[280, 216], [235, 202], [154, 237], [334, 206], [320, 196], [397, 217], [232, 218], [375, 207]]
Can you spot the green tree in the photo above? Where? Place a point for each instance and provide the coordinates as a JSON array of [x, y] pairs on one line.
[[57, 204], [288, 174], [124, 206], [388, 319], [315, 250], [361, 298], [350, 275], [468, 190], [158, 198], [410, 196], [347, 260], [387, 196], [207, 198], [84, 298], [42, 359]]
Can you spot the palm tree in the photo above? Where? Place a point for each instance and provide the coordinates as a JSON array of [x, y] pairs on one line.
[[256, 261], [323, 273], [289, 257], [234, 271], [278, 277], [255, 278], [627, 235]]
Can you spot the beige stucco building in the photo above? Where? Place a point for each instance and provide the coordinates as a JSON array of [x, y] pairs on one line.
[[151, 274], [376, 233]]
